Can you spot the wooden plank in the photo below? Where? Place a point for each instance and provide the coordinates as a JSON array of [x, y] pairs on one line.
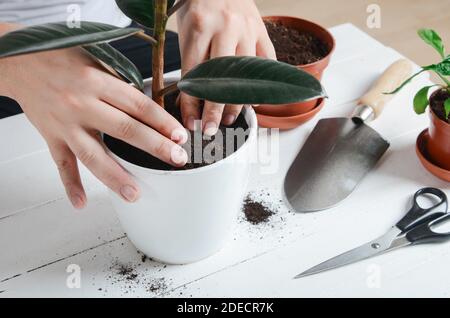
[[405, 272], [44, 234], [248, 244], [18, 138], [32, 181], [260, 261]]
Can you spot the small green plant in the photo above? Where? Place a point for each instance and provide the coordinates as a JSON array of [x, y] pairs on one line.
[[227, 80], [442, 69]]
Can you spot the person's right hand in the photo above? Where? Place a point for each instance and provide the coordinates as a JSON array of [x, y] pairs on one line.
[[70, 99]]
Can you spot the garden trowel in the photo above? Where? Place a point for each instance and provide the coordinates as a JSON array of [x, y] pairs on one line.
[[341, 151]]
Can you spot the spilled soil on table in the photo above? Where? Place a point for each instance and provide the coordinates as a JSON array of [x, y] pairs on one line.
[[129, 279], [256, 212]]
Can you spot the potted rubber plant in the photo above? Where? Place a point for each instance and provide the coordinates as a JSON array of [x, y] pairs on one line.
[[309, 47], [433, 146], [183, 215]]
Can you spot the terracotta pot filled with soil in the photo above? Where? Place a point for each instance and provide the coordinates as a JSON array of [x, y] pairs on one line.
[[438, 146], [303, 44], [180, 217]]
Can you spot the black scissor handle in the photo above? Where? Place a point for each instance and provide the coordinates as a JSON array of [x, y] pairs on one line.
[[418, 215], [428, 232]]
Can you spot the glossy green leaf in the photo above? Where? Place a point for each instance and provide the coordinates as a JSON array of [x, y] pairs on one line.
[[141, 11], [52, 36], [431, 37], [443, 68], [447, 108], [250, 80], [117, 61], [421, 100]]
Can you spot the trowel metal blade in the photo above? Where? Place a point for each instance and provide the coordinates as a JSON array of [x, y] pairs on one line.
[[336, 156]]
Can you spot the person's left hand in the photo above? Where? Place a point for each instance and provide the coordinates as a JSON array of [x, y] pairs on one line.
[[209, 29]]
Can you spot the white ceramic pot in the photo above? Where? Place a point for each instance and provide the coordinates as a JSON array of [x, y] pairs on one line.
[[186, 216]]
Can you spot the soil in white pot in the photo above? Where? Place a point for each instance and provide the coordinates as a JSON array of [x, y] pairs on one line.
[[295, 47], [213, 144], [437, 101]]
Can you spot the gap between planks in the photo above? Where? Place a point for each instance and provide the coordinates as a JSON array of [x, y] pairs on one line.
[[64, 258]]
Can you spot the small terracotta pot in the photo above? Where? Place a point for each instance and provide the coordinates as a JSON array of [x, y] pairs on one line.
[[438, 146], [424, 157], [316, 69], [289, 122]]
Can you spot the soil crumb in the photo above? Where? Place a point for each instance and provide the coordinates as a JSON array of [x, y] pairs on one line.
[[143, 258], [157, 285], [127, 272], [256, 212], [295, 47]]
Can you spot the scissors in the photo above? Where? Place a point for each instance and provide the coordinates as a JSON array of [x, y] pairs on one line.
[[418, 226]]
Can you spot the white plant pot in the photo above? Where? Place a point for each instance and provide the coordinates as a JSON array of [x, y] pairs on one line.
[[185, 216]]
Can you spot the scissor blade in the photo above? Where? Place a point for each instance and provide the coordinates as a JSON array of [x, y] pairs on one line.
[[371, 249]]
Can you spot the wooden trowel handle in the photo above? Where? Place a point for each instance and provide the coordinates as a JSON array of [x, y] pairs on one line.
[[394, 75]]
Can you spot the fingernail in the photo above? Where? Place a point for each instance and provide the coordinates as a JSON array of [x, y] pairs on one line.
[[178, 156], [77, 201], [179, 135], [129, 193], [210, 128], [229, 119], [190, 123]]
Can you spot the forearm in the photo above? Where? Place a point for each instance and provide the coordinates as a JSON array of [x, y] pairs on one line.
[[6, 68]]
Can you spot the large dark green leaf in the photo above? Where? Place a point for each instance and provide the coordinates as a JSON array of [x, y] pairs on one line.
[[58, 35], [116, 60], [250, 80], [141, 11]]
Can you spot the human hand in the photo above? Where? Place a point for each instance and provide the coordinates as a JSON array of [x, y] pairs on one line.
[[69, 99], [209, 29]]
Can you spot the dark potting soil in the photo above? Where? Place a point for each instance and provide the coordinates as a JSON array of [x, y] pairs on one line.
[[208, 151], [295, 47], [437, 101], [256, 212]]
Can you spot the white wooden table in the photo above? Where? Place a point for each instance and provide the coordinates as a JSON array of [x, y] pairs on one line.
[[41, 235]]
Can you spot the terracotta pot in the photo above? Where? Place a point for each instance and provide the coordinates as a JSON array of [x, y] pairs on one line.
[[289, 122], [316, 69], [438, 146], [424, 157]]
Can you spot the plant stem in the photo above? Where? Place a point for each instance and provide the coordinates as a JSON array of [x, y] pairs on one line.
[[158, 51], [446, 81], [171, 88]]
